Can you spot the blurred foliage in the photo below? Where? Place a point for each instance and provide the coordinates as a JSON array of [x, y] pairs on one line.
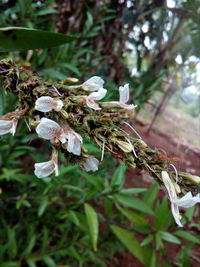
[[81, 219], [55, 221], [146, 36]]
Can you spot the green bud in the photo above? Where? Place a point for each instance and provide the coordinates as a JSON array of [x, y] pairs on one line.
[[126, 147], [70, 80]]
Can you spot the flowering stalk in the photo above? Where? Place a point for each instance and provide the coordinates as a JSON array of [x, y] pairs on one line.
[[63, 113]]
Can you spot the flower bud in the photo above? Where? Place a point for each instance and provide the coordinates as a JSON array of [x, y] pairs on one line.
[[126, 147], [94, 96], [70, 80]]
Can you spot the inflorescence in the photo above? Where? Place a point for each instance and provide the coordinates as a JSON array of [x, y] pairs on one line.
[[65, 112]]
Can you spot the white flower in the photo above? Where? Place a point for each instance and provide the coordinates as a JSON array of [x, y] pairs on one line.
[[74, 141], [123, 99], [44, 169], [8, 126], [94, 96], [124, 93], [188, 200], [185, 202], [50, 130], [90, 164], [47, 103], [94, 83]]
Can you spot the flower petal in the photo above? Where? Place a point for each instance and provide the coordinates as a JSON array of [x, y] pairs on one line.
[[90, 164], [124, 93], [74, 141], [91, 104], [44, 169], [5, 126], [94, 83], [47, 103], [188, 200], [176, 214], [117, 104], [8, 126], [169, 186], [100, 94], [49, 129]]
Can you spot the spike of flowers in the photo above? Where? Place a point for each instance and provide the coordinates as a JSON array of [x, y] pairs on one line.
[[68, 113]]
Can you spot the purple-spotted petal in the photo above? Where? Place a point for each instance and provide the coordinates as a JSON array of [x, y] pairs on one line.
[[47, 103], [49, 129], [74, 141]]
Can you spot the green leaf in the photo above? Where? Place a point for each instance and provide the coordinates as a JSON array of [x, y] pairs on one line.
[[46, 11], [31, 263], [93, 224], [18, 38], [30, 246], [42, 206], [96, 181], [134, 203], [132, 216], [72, 187], [186, 235], [10, 264], [130, 242], [169, 238], [49, 262], [163, 217], [72, 68], [153, 260], [189, 213], [54, 74], [186, 257], [131, 191], [159, 243], [118, 177], [151, 195], [147, 240], [12, 243]]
